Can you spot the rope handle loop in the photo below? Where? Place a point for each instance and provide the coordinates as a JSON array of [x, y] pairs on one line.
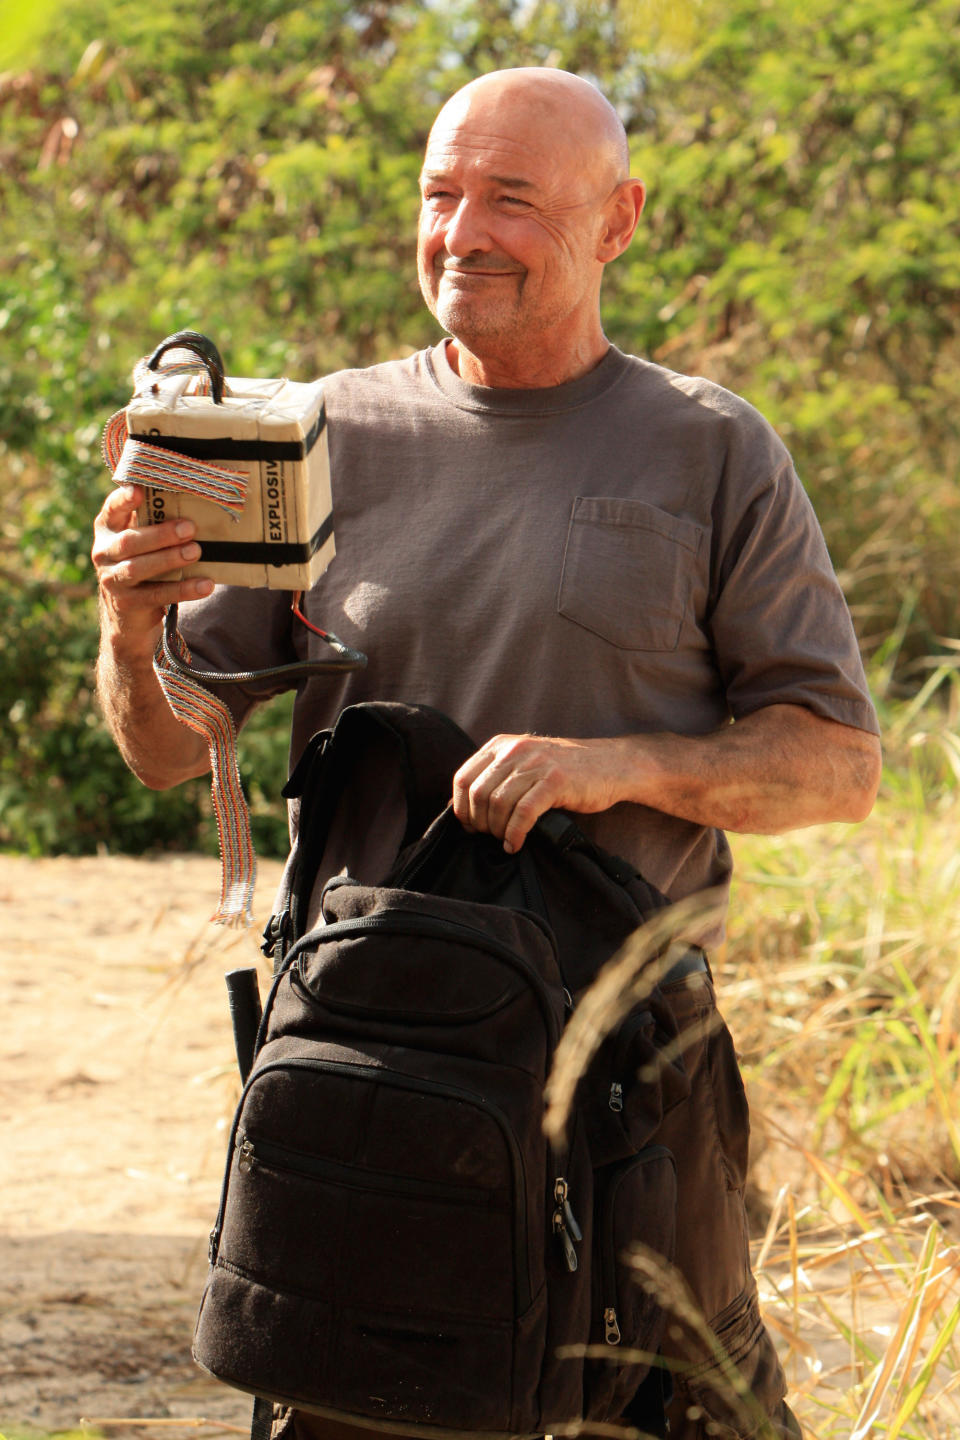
[[205, 350]]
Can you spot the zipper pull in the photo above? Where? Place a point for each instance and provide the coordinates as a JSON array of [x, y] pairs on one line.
[[563, 1234], [611, 1326], [565, 1225], [212, 1247], [561, 1193], [246, 1155], [615, 1099]]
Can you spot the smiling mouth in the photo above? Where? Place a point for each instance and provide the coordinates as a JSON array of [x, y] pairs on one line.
[[482, 266], [457, 273]]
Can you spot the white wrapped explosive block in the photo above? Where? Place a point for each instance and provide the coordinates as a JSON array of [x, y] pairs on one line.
[[273, 432]]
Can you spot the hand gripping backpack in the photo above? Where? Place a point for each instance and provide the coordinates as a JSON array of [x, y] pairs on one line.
[[397, 1244]]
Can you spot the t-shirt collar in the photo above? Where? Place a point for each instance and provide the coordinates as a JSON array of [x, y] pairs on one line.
[[550, 400]]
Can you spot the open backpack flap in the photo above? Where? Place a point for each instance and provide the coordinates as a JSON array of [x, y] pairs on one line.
[[398, 1246]]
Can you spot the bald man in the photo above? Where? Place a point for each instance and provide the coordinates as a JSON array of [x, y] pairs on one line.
[[606, 572]]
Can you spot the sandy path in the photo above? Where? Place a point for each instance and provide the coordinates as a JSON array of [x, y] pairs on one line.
[[117, 1080], [117, 1084]]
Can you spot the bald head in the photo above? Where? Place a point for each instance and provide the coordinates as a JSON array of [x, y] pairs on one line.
[[525, 197], [544, 106]]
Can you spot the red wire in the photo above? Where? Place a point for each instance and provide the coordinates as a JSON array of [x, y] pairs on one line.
[[295, 607]]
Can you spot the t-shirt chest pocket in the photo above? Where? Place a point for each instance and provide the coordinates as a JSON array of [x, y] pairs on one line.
[[628, 570]]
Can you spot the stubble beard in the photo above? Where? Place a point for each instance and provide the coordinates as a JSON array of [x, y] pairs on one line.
[[468, 322], [474, 316]]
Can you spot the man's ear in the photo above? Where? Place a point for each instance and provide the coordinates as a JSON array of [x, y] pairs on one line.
[[622, 214]]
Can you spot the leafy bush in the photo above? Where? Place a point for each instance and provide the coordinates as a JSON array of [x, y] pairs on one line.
[[251, 173]]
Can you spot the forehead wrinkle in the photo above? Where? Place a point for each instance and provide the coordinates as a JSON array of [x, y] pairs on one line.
[[539, 157], [513, 182], [509, 182]]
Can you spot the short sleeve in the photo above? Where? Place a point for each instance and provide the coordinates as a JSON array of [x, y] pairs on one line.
[[780, 624]]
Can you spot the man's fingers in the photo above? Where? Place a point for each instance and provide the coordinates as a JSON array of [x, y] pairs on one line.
[[504, 789], [120, 507], [526, 810], [134, 562], [462, 782], [128, 563], [514, 779], [157, 596], [172, 540], [128, 556], [512, 804], [477, 779]]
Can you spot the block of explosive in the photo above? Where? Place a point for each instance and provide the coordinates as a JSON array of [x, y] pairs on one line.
[[192, 428]]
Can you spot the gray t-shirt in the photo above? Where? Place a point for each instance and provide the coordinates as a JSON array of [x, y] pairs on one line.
[[629, 552]]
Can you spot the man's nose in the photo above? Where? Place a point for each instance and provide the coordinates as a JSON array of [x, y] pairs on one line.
[[466, 229]]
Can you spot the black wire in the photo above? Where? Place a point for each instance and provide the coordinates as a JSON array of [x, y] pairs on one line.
[[348, 659]]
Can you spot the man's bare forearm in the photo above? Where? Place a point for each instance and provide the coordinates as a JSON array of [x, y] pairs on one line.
[[779, 769], [159, 750]]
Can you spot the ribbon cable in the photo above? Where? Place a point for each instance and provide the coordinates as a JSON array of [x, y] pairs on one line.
[[135, 462]]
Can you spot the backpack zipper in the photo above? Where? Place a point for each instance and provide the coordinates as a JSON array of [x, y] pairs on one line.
[[611, 1320], [252, 1152], [434, 926]]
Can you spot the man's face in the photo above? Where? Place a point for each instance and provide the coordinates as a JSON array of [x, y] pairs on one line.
[[509, 220]]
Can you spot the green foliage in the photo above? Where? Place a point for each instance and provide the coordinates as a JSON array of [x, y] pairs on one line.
[[803, 164], [263, 756], [25, 23], [252, 171]]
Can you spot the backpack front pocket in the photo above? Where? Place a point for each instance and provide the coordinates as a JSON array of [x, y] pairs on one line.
[[420, 1181]]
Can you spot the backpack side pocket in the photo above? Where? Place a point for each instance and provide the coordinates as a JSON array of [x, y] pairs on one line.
[[636, 1205], [634, 1079]]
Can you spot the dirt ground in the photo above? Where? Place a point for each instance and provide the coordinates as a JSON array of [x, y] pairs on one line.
[[117, 1083]]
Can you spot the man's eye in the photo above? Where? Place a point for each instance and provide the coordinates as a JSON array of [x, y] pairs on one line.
[[517, 201]]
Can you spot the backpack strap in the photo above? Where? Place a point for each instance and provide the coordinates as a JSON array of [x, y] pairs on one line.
[[564, 834], [261, 1420]]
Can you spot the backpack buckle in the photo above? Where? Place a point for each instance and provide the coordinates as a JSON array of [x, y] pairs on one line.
[[274, 933]]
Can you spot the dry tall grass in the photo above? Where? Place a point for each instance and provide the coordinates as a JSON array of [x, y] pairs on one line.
[[841, 985]]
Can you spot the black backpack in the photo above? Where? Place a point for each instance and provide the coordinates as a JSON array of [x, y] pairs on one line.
[[397, 1245]]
